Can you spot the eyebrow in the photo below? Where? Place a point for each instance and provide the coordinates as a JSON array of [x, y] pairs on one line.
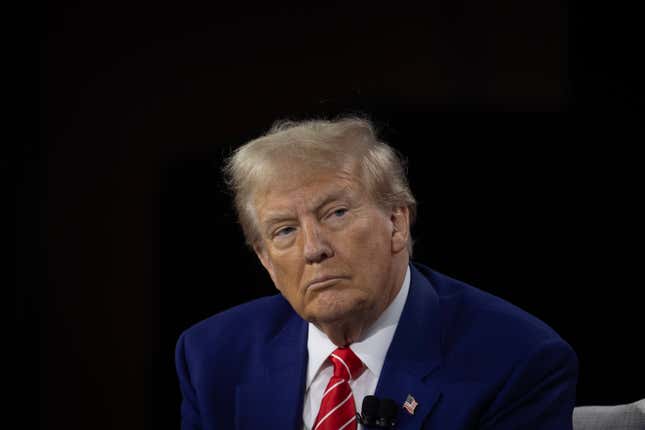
[[332, 196], [339, 194]]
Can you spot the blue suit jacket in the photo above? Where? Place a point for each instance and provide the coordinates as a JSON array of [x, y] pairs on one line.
[[470, 359]]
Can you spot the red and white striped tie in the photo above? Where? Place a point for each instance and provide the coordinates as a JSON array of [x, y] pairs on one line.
[[337, 408]]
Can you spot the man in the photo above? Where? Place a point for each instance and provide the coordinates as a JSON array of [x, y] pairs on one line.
[[327, 209]]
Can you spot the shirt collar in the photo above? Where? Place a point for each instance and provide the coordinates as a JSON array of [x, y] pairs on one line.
[[374, 345]]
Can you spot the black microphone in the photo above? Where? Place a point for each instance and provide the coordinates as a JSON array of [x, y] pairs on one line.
[[378, 413], [369, 411], [387, 413]]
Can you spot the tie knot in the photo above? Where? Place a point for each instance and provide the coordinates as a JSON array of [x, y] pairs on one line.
[[346, 364]]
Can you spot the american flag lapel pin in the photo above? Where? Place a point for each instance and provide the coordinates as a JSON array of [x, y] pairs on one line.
[[410, 404]]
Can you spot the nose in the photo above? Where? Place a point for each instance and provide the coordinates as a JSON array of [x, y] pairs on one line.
[[316, 246]]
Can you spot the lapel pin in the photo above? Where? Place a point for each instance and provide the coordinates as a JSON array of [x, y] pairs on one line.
[[410, 404]]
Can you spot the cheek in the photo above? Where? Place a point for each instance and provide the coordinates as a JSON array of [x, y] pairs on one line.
[[286, 274], [371, 240]]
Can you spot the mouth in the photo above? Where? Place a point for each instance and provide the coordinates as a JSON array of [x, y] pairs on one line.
[[324, 282]]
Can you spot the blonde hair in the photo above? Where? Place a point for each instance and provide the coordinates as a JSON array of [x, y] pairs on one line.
[[317, 144]]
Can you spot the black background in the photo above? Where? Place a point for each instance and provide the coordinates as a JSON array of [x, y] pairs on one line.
[[125, 235]]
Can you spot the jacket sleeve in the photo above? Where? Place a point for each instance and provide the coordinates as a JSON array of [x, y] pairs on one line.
[[190, 416], [540, 392]]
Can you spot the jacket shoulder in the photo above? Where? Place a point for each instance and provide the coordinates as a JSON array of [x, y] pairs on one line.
[[249, 323], [471, 313], [503, 364]]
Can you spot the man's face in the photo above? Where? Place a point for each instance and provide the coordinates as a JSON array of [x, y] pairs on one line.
[[327, 247]]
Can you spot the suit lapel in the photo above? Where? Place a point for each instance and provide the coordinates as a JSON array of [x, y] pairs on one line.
[[415, 353], [275, 398]]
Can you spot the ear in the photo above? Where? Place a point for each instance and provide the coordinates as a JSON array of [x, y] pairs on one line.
[[400, 218]]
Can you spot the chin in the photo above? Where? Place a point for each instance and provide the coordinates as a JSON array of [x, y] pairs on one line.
[[330, 317], [333, 311]]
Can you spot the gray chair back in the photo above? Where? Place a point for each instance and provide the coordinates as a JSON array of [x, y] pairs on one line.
[[620, 417]]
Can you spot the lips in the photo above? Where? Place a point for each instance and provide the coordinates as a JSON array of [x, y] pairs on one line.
[[323, 281]]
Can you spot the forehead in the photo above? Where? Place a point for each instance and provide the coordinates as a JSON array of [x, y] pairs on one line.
[[305, 190]]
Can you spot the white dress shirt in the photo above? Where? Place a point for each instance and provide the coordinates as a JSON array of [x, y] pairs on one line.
[[371, 349]]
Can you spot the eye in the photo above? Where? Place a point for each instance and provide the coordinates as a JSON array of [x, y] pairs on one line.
[[339, 212], [284, 231]]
